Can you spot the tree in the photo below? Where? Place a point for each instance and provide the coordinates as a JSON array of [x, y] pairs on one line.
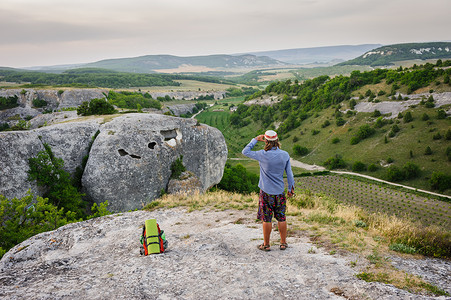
[[428, 151], [408, 117]]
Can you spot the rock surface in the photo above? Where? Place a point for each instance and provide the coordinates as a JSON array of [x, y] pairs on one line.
[[130, 161], [210, 256], [188, 184], [188, 95], [180, 109], [55, 99], [68, 141]]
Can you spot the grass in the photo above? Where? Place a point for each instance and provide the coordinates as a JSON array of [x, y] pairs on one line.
[[332, 225]]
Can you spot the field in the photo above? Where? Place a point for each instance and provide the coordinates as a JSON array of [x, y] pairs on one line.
[[377, 198], [237, 138]]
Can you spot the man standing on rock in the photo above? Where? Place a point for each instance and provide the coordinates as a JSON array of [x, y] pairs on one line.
[[273, 163]]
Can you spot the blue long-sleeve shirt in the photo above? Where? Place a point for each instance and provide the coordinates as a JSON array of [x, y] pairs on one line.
[[273, 163]]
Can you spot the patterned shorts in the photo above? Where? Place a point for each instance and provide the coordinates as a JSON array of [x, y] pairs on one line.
[[269, 204]]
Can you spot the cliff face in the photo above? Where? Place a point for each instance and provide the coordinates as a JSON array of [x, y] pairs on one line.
[[129, 162]]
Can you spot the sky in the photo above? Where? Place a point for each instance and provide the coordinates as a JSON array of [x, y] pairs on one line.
[[56, 32]]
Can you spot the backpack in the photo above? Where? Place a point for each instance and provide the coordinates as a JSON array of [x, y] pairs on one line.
[[153, 239]]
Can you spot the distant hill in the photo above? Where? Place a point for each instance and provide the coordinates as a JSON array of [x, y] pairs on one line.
[[387, 55], [318, 54], [150, 63]]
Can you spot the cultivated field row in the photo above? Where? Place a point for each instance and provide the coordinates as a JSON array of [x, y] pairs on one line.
[[376, 198]]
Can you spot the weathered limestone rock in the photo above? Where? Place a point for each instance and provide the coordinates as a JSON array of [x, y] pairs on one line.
[[16, 147], [68, 141], [188, 184], [188, 95], [180, 109], [13, 115], [99, 259], [129, 163], [54, 98]]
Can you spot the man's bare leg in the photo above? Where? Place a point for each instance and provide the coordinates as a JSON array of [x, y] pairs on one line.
[[267, 227], [283, 231]]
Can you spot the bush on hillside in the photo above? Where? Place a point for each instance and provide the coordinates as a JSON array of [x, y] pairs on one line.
[[440, 181], [364, 132], [300, 150], [358, 166], [335, 162]]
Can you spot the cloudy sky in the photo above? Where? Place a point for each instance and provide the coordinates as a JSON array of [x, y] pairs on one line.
[[51, 32]]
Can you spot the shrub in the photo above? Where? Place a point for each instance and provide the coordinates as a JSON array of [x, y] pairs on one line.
[[364, 132], [39, 103], [340, 122], [177, 168], [335, 140], [441, 114], [358, 166], [238, 179], [380, 122], [437, 136], [295, 139], [8, 102], [440, 181], [48, 171], [372, 168], [300, 150], [325, 124], [425, 117], [390, 160], [448, 153], [4, 126], [428, 151], [25, 217], [315, 132], [448, 135], [411, 170], [394, 173], [95, 107], [429, 104], [376, 114], [335, 162]]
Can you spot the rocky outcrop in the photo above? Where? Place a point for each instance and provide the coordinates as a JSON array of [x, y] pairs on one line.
[[188, 95], [68, 141], [56, 99], [99, 259], [130, 161], [188, 184], [181, 109]]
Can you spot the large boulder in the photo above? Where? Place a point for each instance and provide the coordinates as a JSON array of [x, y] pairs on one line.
[[130, 161], [16, 147], [69, 141]]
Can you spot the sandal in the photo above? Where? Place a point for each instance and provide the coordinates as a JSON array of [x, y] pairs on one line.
[[283, 246], [264, 247]]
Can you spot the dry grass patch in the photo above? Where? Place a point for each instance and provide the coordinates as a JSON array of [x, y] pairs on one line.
[[339, 228]]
